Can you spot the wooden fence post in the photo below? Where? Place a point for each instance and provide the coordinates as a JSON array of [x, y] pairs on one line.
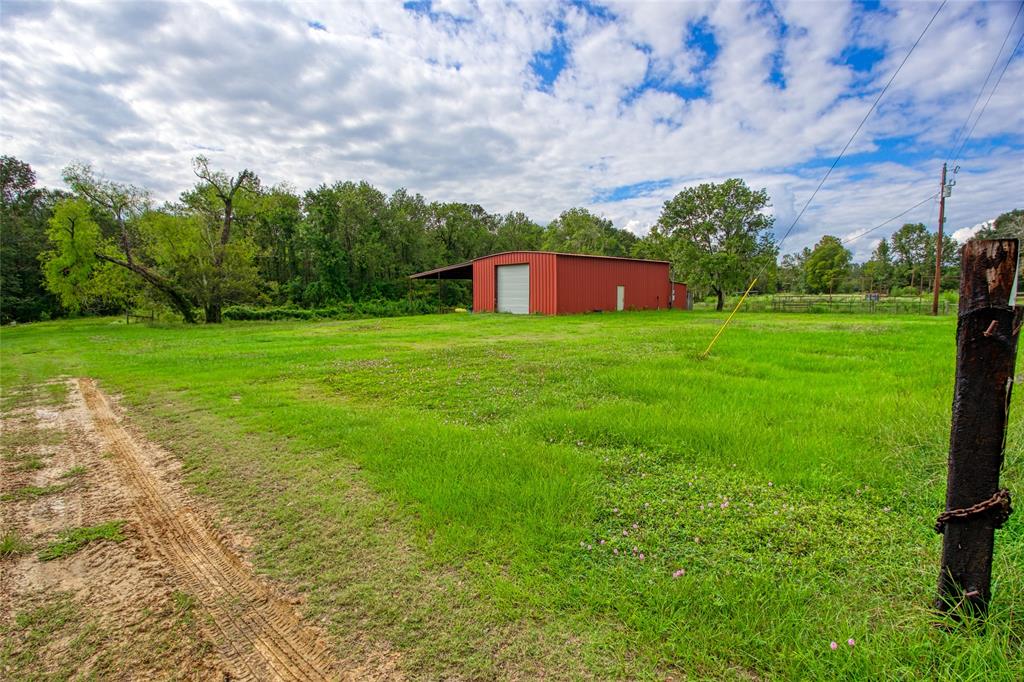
[[986, 344]]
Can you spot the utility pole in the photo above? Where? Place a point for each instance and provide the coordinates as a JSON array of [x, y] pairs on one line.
[[938, 244]]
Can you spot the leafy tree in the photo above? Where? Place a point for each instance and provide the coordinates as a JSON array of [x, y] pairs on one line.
[[72, 269], [716, 235], [345, 242], [792, 275], [464, 231], [580, 231], [1009, 225], [878, 271], [828, 265], [216, 198], [950, 273], [910, 253], [183, 243], [24, 211], [516, 232], [274, 230], [82, 250]]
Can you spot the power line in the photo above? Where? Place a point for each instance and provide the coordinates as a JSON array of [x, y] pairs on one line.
[[991, 70], [835, 163], [989, 98], [859, 126], [886, 222]]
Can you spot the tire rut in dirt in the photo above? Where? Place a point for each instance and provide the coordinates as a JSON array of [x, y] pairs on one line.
[[261, 634]]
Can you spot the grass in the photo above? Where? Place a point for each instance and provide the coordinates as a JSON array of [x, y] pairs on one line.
[[11, 545], [75, 471], [32, 492], [469, 490], [58, 636], [30, 463], [70, 541], [32, 630]]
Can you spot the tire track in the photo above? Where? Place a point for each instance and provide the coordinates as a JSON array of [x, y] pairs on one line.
[[256, 632]]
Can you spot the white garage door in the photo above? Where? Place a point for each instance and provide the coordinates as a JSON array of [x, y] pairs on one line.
[[514, 289]]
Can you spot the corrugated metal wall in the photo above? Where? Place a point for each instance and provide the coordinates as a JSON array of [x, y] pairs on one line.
[[543, 285], [586, 284], [679, 300]]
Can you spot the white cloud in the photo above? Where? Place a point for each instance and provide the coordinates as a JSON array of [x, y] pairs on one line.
[[965, 233], [447, 105]]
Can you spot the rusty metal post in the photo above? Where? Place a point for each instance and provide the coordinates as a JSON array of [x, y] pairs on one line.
[[986, 341]]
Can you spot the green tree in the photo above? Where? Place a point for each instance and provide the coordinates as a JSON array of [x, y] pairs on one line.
[[516, 232], [24, 212], [183, 243], [910, 253], [464, 231], [792, 276], [407, 216], [216, 198], [580, 231], [1009, 225], [72, 269], [828, 265], [716, 235], [950, 272], [122, 244], [346, 242], [274, 230], [878, 271]]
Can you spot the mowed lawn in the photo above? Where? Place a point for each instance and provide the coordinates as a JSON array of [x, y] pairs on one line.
[[494, 496]]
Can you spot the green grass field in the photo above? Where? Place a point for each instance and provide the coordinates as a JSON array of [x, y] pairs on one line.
[[495, 496]]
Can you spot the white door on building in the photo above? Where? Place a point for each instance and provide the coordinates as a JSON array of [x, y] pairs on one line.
[[513, 289], [620, 297]]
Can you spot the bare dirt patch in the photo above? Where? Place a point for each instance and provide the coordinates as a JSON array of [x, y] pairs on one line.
[[172, 600]]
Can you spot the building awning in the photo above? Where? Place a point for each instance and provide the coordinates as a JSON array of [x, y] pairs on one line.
[[459, 271]]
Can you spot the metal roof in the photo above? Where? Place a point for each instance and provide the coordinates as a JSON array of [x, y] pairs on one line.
[[465, 270], [458, 271]]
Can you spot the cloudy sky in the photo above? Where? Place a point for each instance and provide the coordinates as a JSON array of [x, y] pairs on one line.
[[538, 107]]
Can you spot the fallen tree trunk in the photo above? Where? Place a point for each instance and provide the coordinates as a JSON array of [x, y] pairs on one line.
[[177, 299]]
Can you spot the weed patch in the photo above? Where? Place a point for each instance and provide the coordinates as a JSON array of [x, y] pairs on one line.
[[75, 471], [31, 463], [11, 544], [32, 492], [70, 541]]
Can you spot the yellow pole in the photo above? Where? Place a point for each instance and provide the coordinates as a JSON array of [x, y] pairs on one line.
[[707, 351]]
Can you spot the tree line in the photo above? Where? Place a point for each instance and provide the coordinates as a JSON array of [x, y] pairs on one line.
[[99, 246]]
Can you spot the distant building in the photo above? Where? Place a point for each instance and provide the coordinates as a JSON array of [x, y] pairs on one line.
[[524, 282]]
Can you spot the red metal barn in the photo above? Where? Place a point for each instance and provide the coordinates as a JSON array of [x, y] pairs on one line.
[[680, 296], [561, 283]]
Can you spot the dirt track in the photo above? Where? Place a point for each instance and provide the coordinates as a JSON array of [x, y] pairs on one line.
[[247, 631]]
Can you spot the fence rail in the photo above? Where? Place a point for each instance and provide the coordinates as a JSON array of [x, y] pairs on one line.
[[865, 304], [806, 304]]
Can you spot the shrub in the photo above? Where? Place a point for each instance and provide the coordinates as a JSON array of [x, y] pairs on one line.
[[335, 311]]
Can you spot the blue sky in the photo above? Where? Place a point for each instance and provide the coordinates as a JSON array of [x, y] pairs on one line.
[[534, 106]]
